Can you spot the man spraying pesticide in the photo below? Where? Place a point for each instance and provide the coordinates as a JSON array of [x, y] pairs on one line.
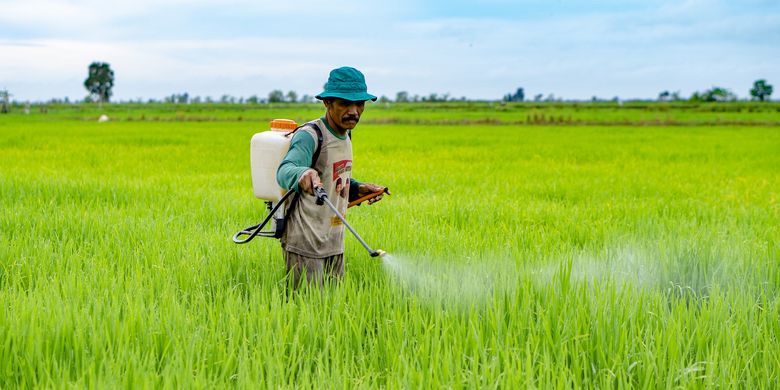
[[316, 172]]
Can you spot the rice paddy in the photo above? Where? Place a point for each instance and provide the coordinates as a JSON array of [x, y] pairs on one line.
[[634, 249]]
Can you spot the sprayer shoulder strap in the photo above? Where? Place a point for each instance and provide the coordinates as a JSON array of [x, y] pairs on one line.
[[314, 159], [317, 149], [316, 155]]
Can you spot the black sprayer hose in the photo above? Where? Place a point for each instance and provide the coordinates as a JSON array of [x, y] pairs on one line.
[[254, 231]]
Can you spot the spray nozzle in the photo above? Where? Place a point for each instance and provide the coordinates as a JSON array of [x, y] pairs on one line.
[[378, 253]]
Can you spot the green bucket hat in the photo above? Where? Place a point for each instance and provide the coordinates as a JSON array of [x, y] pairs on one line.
[[346, 83]]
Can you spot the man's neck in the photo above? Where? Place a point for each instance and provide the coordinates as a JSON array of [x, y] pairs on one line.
[[337, 129]]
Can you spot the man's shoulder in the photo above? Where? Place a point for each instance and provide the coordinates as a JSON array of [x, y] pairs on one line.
[[304, 136], [316, 124], [312, 128]]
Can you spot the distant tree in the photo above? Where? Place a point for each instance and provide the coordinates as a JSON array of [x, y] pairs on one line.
[[538, 97], [402, 97], [252, 99], [761, 90], [434, 97], [100, 81], [183, 98], [715, 94], [306, 99], [5, 101], [722, 95], [518, 96], [384, 99], [667, 96], [292, 96], [718, 94], [276, 96]]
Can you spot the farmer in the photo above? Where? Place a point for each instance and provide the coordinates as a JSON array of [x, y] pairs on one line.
[[313, 241]]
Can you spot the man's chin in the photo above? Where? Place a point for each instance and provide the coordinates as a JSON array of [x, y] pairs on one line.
[[349, 125]]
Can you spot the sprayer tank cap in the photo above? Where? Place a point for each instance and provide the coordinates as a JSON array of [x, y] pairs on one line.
[[283, 125]]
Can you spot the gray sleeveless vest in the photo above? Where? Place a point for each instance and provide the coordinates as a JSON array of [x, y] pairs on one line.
[[313, 230]]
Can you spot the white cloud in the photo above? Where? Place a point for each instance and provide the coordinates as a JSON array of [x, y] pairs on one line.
[[90, 18], [677, 46]]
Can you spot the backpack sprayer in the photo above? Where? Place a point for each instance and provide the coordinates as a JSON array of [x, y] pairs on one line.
[[267, 149]]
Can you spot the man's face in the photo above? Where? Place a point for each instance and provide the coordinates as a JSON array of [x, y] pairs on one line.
[[345, 114]]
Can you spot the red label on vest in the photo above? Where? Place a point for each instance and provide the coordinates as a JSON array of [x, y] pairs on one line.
[[342, 171]]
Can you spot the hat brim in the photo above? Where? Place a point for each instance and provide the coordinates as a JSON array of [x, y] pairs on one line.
[[355, 97]]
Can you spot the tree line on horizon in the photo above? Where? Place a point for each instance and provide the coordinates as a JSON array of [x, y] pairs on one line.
[[100, 82], [761, 91]]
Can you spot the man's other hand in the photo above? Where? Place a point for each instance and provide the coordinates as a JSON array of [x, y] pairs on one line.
[[369, 188]]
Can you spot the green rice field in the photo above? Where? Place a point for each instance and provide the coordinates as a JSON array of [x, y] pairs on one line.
[[531, 246]]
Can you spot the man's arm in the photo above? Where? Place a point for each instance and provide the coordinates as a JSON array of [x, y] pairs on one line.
[[296, 162], [353, 189]]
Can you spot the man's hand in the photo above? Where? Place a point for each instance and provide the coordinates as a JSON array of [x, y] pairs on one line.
[[369, 188], [308, 181]]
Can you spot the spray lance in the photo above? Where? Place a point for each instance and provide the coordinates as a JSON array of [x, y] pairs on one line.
[[322, 198]]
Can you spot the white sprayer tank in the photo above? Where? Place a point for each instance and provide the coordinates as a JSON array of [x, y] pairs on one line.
[[266, 151]]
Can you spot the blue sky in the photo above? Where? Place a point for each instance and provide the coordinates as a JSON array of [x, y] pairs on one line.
[[478, 49]]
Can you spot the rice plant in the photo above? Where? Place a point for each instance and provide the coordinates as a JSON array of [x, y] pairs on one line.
[[521, 256]]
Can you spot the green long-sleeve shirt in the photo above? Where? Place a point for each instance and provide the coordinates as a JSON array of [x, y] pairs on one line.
[[298, 160]]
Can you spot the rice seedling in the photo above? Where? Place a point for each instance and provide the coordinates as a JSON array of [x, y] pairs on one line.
[[521, 256]]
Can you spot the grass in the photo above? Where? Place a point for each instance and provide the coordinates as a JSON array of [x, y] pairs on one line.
[[523, 256], [548, 113]]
